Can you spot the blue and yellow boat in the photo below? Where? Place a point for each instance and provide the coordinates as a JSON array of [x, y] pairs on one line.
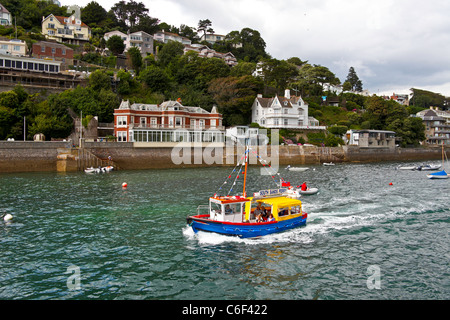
[[267, 212]]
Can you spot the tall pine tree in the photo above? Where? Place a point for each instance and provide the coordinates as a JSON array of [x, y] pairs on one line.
[[353, 80]]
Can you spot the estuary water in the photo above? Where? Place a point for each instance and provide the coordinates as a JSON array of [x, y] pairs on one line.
[[373, 232]]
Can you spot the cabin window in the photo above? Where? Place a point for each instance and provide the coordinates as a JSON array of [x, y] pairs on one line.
[[283, 212], [216, 208], [296, 210], [232, 208]]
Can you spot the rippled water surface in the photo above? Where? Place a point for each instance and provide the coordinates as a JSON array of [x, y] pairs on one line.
[[134, 243]]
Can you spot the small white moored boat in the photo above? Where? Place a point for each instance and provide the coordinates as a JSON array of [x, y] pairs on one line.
[[297, 169]]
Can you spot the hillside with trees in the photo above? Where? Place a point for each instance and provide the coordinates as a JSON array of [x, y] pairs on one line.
[[197, 81]]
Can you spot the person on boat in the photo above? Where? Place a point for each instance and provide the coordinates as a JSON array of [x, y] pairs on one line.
[[304, 187], [271, 218], [228, 210], [258, 211], [262, 216]]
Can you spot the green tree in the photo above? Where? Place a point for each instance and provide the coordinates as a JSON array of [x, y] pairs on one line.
[[338, 130], [278, 73], [425, 99], [131, 13], [205, 27], [155, 79], [93, 14], [346, 86], [246, 45], [170, 52], [188, 32], [352, 78], [234, 97], [115, 45], [99, 79], [127, 84], [6, 120], [136, 59], [243, 69]]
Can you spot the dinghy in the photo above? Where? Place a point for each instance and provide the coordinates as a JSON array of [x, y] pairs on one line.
[[297, 169]]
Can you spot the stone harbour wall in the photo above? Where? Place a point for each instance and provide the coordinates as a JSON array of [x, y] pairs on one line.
[[60, 156]]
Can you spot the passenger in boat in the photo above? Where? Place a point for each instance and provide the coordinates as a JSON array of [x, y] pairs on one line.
[[228, 210], [263, 216], [258, 211], [304, 186], [271, 218]]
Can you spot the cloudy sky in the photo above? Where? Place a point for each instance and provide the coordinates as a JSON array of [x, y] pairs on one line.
[[393, 45]]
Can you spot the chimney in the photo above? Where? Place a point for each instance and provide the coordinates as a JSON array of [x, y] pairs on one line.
[[287, 94], [259, 95]]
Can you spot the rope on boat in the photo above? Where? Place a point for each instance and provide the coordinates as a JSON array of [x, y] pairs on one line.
[[240, 164], [265, 166], [240, 171], [229, 176]]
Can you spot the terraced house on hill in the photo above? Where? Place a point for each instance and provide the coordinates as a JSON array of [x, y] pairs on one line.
[[140, 39], [66, 29]]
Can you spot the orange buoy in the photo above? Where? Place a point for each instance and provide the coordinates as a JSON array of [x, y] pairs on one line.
[[391, 184], [124, 185]]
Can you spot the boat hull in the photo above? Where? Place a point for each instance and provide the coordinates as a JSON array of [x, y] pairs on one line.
[[244, 230], [309, 191], [438, 175]]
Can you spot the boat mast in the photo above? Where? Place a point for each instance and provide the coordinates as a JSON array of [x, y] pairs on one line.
[[245, 172]]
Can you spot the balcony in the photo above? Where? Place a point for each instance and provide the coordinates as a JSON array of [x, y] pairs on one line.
[[282, 126], [135, 126]]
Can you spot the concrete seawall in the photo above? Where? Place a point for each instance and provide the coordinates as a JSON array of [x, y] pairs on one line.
[[46, 156], [29, 156]]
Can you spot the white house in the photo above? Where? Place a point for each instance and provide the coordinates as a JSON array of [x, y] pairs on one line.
[[5, 16], [165, 37], [205, 52], [14, 47], [212, 37], [139, 39], [288, 112], [238, 134]]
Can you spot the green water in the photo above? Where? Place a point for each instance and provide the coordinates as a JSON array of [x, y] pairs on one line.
[[78, 236]]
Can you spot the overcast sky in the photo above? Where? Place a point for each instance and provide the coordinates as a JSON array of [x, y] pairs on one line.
[[393, 45]]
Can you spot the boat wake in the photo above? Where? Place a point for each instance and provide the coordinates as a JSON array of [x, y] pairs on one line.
[[321, 221], [208, 238]]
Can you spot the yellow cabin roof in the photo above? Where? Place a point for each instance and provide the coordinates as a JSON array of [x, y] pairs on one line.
[[280, 202]]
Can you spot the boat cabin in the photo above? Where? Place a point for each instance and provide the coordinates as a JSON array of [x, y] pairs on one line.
[[227, 208], [281, 208], [240, 209]]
